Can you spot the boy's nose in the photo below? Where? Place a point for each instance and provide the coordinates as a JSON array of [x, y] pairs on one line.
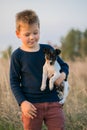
[[31, 36]]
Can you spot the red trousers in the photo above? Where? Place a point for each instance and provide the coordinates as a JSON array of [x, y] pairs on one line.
[[52, 115]]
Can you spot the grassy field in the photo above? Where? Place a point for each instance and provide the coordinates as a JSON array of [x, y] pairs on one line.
[[75, 107]]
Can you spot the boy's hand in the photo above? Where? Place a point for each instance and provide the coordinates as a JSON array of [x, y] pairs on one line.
[[60, 79], [28, 109]]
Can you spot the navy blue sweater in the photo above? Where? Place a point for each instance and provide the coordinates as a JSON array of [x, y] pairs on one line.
[[26, 76]]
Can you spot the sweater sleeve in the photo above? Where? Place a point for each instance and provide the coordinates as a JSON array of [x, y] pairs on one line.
[[15, 79], [64, 67]]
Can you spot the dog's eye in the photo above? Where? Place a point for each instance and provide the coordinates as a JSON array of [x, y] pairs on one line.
[[53, 55]]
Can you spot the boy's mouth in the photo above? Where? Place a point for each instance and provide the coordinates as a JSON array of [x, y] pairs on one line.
[[31, 43]]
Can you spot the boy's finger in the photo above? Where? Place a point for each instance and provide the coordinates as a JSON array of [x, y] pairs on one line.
[[33, 107], [32, 114]]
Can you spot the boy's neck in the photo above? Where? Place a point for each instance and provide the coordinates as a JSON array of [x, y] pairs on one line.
[[31, 49]]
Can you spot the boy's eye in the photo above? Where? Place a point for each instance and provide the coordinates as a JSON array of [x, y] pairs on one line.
[[35, 33], [27, 34]]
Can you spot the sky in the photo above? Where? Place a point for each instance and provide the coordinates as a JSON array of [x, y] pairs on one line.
[[57, 18]]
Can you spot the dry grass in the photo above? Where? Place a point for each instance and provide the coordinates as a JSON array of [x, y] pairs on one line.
[[76, 104], [9, 110], [75, 107]]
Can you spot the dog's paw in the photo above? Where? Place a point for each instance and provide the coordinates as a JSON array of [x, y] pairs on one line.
[[62, 101], [42, 88], [51, 87]]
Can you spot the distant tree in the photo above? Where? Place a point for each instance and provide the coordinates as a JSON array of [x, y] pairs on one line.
[[7, 53], [85, 33], [84, 43], [71, 44]]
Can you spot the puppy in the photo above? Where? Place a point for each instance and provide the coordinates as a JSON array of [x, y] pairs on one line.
[[51, 70]]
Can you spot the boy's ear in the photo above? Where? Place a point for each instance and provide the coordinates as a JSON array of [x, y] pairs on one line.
[[17, 34], [58, 51]]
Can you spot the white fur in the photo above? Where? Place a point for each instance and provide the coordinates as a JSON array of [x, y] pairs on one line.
[[52, 71]]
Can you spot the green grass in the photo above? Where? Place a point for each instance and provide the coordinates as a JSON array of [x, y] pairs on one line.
[[10, 126]]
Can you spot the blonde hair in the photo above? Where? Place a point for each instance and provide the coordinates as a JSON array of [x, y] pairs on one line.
[[26, 17]]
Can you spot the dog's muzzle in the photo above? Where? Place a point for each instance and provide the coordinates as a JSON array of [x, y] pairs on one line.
[[51, 62]]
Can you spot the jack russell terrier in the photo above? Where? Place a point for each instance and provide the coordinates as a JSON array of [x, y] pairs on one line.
[[51, 70]]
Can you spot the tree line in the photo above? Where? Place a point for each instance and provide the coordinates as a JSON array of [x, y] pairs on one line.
[[74, 45]]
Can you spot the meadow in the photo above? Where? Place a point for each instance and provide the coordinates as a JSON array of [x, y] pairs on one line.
[[75, 107]]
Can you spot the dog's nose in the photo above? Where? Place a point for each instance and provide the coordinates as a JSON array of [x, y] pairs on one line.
[[51, 63]]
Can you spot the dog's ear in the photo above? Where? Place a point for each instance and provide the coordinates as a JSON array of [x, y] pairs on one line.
[[58, 51]]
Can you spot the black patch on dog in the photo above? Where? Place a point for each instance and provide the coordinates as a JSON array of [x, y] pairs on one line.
[[60, 90], [51, 54]]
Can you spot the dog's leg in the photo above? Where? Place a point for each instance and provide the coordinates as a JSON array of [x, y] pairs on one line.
[[66, 91], [52, 80], [44, 78]]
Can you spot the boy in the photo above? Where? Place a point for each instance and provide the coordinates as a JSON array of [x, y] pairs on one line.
[[26, 77]]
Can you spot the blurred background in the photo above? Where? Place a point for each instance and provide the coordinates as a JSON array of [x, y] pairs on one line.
[[63, 24]]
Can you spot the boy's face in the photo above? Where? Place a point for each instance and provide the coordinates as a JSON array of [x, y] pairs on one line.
[[29, 35]]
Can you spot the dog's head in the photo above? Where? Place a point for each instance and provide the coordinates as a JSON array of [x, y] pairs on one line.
[[51, 55]]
